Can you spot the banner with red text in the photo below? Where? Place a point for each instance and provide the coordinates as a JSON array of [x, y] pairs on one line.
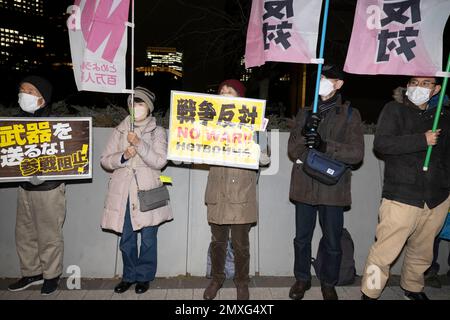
[[215, 129]]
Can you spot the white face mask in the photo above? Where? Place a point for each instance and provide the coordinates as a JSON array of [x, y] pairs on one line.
[[140, 112], [418, 95], [28, 102], [326, 87]]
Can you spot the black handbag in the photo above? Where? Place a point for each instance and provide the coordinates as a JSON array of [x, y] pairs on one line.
[[322, 168], [152, 199]]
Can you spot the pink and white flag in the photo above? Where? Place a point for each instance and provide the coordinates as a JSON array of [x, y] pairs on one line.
[[98, 43], [282, 30], [401, 37]]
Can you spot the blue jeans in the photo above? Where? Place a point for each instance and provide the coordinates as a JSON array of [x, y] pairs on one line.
[[331, 220], [142, 267]]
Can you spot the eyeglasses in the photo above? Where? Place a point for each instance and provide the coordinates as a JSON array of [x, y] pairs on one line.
[[425, 83]]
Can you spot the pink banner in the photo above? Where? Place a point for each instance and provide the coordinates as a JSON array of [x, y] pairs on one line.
[[98, 42], [282, 30], [402, 37]]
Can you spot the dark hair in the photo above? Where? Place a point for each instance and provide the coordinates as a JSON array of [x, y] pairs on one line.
[[437, 80], [331, 71], [138, 100]]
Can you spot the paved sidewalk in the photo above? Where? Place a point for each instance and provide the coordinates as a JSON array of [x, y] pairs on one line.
[[191, 288]]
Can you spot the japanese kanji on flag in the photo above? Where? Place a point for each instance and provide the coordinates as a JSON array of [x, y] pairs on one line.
[[402, 37], [282, 30], [98, 44]]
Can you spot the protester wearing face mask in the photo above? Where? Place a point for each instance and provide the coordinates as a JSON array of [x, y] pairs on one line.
[[335, 130], [41, 207], [135, 160], [414, 202]]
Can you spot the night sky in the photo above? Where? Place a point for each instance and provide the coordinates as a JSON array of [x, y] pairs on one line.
[[192, 26], [198, 28], [211, 35]]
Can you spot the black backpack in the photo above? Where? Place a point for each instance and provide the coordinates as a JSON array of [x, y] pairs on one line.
[[347, 271]]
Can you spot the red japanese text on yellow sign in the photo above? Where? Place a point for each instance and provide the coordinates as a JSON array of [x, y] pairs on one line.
[[215, 129]]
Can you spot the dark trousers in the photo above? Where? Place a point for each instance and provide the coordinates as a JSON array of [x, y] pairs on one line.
[[140, 266], [241, 247], [331, 220], [434, 268]]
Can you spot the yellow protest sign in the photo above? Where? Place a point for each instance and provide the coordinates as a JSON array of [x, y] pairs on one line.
[[165, 179], [215, 129]]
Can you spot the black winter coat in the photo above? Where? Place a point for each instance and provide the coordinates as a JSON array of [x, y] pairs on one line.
[[401, 142]]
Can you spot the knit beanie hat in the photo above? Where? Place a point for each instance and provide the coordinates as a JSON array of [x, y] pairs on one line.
[[44, 86], [235, 84], [145, 95]]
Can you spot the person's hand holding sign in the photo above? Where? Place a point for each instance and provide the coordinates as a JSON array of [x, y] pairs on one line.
[[133, 138], [129, 153]]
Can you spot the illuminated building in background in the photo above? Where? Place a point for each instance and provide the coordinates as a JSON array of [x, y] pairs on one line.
[[57, 39], [246, 73], [33, 34], [163, 60], [22, 42], [11, 40], [31, 7]]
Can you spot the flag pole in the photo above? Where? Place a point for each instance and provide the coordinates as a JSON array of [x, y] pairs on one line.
[[438, 113], [322, 48], [132, 67], [304, 86]]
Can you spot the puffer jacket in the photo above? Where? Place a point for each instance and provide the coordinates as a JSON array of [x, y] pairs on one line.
[[146, 167]]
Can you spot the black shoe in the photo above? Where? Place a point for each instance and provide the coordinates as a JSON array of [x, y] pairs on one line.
[[448, 273], [415, 296], [26, 282], [123, 286], [299, 288], [364, 297], [142, 287], [49, 286], [329, 293]]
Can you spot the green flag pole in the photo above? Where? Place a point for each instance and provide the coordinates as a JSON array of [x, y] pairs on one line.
[[438, 113]]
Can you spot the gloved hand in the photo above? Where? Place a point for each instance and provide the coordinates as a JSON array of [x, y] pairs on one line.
[[314, 141], [311, 124], [36, 181]]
